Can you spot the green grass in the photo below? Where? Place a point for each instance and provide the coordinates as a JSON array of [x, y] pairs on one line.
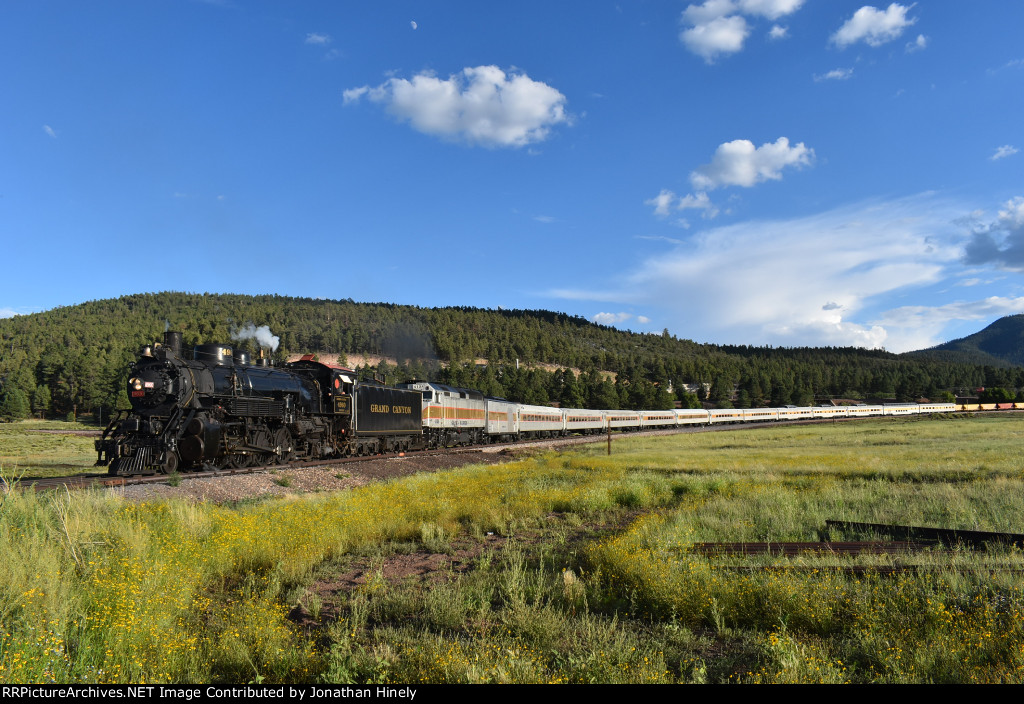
[[35, 454], [574, 567]]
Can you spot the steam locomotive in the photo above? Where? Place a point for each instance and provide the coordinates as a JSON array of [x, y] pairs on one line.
[[222, 409]]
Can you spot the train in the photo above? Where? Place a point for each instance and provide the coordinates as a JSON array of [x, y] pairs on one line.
[[219, 408]]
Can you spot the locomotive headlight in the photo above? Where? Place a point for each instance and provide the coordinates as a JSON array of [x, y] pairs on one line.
[[136, 383]]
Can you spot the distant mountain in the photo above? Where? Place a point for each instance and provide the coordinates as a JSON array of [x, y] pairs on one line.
[[1001, 344]]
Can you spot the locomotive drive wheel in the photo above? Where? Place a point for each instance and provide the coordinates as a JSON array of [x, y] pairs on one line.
[[240, 460], [282, 446], [169, 465]]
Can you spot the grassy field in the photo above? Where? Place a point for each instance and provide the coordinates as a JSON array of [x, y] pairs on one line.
[[26, 451], [561, 567]]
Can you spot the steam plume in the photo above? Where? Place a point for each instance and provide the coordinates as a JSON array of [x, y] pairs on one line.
[[261, 334]]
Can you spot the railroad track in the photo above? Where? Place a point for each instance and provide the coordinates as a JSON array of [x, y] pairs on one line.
[[906, 541], [793, 549], [86, 481]]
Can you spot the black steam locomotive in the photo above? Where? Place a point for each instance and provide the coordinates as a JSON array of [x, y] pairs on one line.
[[221, 409]]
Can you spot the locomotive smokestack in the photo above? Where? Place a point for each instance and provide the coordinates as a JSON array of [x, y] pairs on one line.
[[172, 340]]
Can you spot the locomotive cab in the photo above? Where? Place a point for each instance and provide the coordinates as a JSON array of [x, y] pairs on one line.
[[337, 384]]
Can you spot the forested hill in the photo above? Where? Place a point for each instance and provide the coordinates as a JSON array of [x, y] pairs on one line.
[[1000, 344], [77, 357]]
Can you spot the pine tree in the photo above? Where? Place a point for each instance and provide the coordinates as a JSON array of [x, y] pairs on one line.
[[13, 404]]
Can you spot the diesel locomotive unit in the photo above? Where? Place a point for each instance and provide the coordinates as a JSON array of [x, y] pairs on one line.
[[222, 409]]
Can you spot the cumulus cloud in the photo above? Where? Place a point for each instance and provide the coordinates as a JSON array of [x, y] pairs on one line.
[[778, 32], [873, 26], [836, 74], [50, 131], [803, 281], [611, 318], [1000, 242], [718, 27], [1003, 152], [413, 24], [721, 35], [667, 201], [772, 9], [698, 201], [736, 163], [740, 163], [482, 105], [662, 202], [317, 38]]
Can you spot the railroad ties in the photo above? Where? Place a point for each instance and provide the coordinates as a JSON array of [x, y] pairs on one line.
[[907, 541]]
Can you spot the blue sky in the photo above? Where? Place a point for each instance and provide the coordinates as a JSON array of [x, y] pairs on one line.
[[784, 172]]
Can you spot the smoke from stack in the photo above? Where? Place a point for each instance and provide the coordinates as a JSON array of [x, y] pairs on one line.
[[262, 336], [408, 339]]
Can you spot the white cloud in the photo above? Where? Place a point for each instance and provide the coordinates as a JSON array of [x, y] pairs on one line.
[[666, 201], [873, 26], [708, 11], [317, 38], [920, 327], [1003, 152], [721, 35], [740, 163], [736, 163], [352, 95], [611, 318], [50, 131], [1013, 215], [481, 105], [836, 74], [778, 32], [772, 9], [413, 24], [8, 313], [662, 202], [643, 319], [918, 44], [718, 27], [804, 281], [700, 201]]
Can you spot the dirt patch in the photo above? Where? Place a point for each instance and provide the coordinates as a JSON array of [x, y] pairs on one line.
[[416, 566], [307, 480]]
